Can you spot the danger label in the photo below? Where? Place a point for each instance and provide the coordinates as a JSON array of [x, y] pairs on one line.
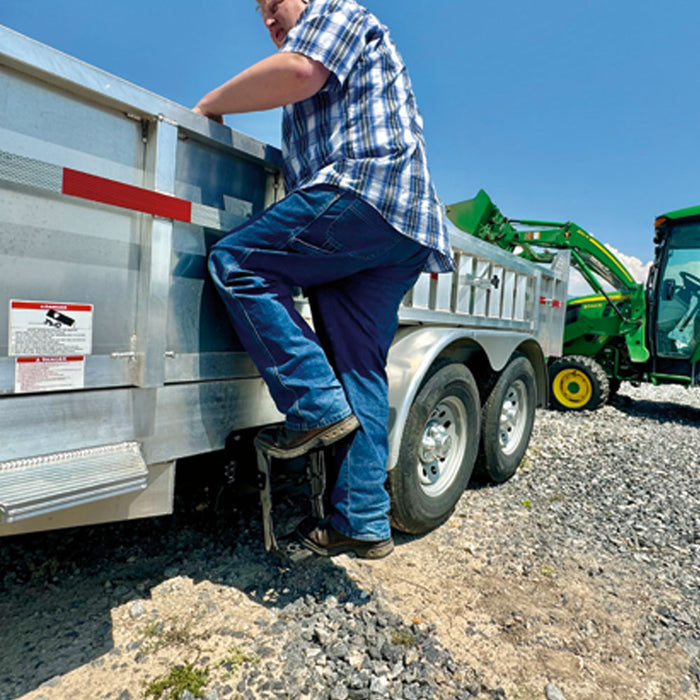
[[34, 374], [49, 329]]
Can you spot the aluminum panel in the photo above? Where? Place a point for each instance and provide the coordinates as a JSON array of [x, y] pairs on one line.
[[68, 250], [91, 84], [170, 422], [66, 131], [197, 321]]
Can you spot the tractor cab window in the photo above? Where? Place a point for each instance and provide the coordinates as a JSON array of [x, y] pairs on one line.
[[678, 310]]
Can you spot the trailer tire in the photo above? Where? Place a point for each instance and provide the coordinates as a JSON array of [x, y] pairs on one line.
[[577, 383], [507, 419], [438, 450]]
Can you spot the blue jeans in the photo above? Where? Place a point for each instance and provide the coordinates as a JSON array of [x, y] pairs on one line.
[[355, 268]]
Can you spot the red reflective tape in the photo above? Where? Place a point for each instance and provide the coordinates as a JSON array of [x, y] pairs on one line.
[[40, 306], [434, 276], [119, 194], [543, 300], [49, 360], [556, 304]]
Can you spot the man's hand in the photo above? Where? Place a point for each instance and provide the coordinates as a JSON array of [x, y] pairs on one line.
[[198, 109]]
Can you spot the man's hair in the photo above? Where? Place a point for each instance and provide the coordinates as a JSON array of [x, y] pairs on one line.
[[259, 3]]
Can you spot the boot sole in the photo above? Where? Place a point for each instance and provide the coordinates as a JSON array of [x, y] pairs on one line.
[[334, 432], [371, 550]]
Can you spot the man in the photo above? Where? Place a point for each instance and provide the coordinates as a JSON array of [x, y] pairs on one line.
[[360, 221]]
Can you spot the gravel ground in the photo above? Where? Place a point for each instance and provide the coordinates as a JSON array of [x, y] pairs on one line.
[[578, 579]]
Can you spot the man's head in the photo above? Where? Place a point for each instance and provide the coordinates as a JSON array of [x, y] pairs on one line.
[[280, 16]]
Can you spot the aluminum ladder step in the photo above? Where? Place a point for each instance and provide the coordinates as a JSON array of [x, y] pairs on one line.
[[38, 485]]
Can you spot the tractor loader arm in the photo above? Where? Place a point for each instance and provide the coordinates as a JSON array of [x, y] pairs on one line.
[[480, 217]]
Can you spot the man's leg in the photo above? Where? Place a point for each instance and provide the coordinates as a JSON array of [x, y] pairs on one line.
[[254, 268], [311, 238], [357, 320]]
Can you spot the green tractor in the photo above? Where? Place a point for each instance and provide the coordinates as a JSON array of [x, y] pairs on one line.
[[637, 332]]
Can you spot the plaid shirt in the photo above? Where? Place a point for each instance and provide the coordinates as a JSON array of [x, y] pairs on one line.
[[362, 131]]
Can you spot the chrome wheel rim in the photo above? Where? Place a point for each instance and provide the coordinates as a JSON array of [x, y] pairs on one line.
[[513, 418], [443, 446]]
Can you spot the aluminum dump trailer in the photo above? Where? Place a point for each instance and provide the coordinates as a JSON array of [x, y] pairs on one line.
[[116, 358]]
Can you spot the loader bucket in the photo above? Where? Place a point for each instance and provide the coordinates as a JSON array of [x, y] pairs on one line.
[[473, 215]]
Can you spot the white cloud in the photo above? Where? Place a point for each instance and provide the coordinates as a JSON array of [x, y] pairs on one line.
[[577, 285], [635, 266], [639, 270]]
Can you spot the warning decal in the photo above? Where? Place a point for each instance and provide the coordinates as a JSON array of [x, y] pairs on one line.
[[34, 374], [49, 329]]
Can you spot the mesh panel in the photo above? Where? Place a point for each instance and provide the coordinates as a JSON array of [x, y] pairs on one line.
[[27, 171]]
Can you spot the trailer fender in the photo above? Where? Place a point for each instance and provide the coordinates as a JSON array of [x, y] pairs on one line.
[[416, 349]]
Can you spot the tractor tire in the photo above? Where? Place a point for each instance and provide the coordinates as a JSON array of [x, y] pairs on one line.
[[438, 450], [577, 383], [507, 419]]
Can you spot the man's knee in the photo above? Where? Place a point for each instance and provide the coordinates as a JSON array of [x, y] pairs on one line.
[[224, 259]]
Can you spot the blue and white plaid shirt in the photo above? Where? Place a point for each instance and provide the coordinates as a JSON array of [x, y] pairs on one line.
[[362, 131]]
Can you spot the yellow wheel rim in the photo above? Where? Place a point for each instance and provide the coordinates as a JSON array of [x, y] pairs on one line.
[[572, 388]]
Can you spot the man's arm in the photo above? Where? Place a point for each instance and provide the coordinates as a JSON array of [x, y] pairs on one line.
[[277, 80]]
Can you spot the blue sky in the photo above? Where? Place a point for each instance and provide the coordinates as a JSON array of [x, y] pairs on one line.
[[560, 110]]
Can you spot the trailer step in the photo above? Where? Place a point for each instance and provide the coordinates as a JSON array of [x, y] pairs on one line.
[[39, 485]]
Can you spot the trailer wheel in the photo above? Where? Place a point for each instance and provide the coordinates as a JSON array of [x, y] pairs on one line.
[[577, 383], [507, 419], [438, 450]]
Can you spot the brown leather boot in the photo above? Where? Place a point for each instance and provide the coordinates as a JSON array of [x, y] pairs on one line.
[[325, 540], [283, 443]]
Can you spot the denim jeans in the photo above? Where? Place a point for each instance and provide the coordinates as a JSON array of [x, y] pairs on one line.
[[355, 268]]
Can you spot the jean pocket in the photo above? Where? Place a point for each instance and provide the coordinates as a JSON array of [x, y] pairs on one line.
[[315, 241], [363, 232], [316, 237]]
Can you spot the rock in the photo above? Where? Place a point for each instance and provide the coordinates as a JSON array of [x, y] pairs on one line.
[[339, 650], [340, 692], [52, 682], [553, 693], [137, 610], [379, 685]]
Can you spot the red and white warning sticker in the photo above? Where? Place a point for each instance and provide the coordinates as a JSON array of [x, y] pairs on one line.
[[34, 374], [49, 329]]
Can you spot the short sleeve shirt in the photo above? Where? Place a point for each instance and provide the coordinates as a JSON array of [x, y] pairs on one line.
[[362, 131]]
